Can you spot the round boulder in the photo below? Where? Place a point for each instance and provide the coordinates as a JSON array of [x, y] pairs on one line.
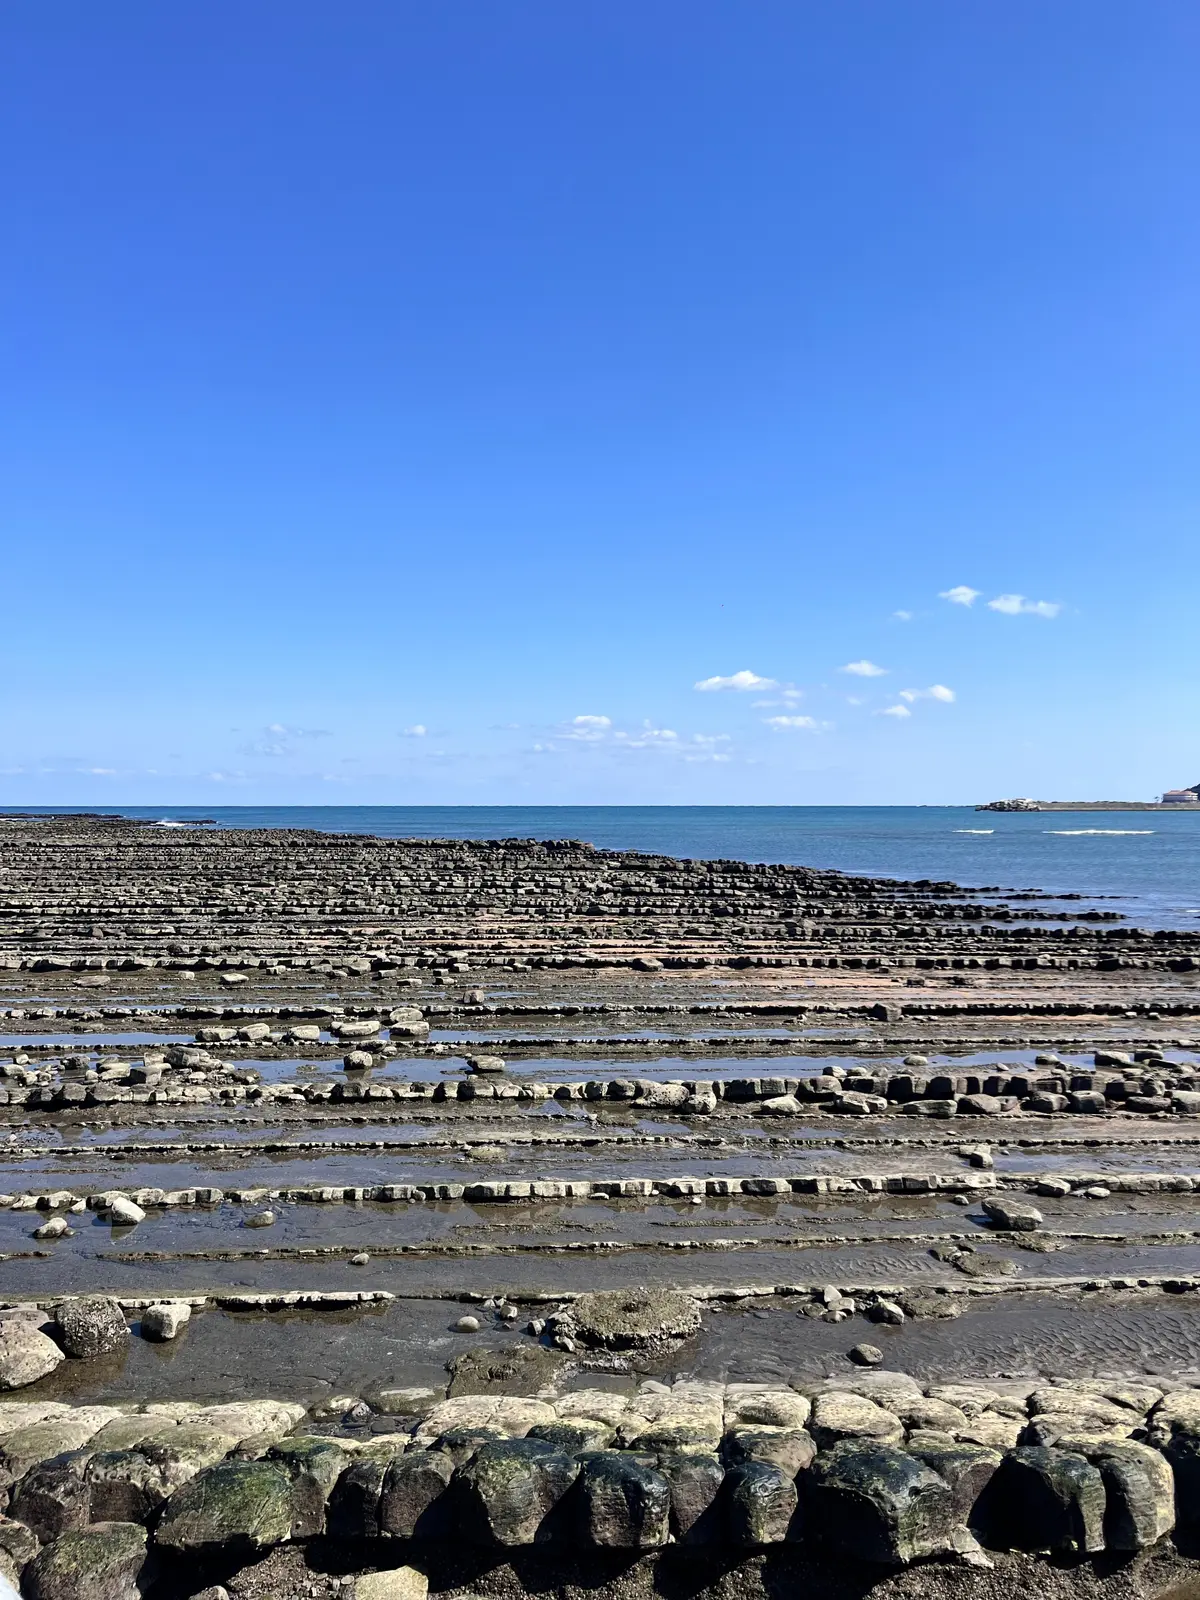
[[102, 1562], [26, 1354], [91, 1326], [623, 1319]]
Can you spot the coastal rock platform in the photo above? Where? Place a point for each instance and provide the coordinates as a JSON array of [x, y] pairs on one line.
[[381, 1216]]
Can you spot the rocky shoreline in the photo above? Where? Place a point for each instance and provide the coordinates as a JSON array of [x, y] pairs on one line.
[[868, 1468], [379, 1216]]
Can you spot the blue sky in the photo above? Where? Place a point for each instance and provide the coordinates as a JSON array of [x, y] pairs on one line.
[[408, 403]]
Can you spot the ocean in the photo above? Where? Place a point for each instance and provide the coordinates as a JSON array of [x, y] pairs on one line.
[[1143, 863]]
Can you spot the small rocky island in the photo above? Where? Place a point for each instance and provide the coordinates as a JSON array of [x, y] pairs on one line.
[[1172, 800], [391, 1217]]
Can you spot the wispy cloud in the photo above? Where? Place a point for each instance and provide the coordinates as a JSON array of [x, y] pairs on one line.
[[961, 595], [894, 711], [276, 739], [587, 727], [418, 730], [1016, 605], [599, 734], [804, 724], [646, 737], [741, 681], [281, 731], [903, 616], [935, 691], [864, 669]]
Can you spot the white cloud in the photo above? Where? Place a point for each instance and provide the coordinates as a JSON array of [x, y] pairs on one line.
[[588, 728], [418, 730], [742, 681], [710, 738], [275, 738], [864, 669], [894, 711], [903, 616], [809, 724], [935, 691], [961, 595], [1016, 605], [647, 737], [101, 772]]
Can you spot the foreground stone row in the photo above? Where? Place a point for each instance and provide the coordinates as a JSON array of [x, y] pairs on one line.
[[871, 1467]]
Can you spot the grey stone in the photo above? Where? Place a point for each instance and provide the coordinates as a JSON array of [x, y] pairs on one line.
[[53, 1498], [91, 1325], [574, 1437], [240, 1507], [1139, 1489], [18, 1544], [760, 1504], [102, 1562], [398, 1583], [26, 1354], [967, 1468], [622, 1319], [623, 1505], [1050, 1500], [130, 1485], [510, 1489], [165, 1320], [354, 1504], [486, 1064], [886, 1311], [866, 1355], [790, 1449], [873, 1502], [411, 1493], [1012, 1214], [313, 1464], [695, 1479], [980, 1105], [841, 1415]]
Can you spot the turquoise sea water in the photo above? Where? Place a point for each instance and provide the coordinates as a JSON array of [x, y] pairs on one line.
[[1145, 863]]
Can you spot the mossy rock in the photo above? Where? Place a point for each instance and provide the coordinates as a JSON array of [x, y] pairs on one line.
[[102, 1562], [623, 1319], [239, 1507]]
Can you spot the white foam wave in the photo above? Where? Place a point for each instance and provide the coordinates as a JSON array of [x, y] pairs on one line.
[[1110, 833], [974, 830]]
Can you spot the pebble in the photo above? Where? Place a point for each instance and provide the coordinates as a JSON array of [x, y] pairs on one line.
[[866, 1355], [467, 1325]]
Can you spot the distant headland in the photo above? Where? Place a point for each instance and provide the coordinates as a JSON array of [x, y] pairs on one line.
[[1172, 800]]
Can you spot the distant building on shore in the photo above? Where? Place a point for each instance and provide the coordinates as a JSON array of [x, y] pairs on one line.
[[1182, 797]]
